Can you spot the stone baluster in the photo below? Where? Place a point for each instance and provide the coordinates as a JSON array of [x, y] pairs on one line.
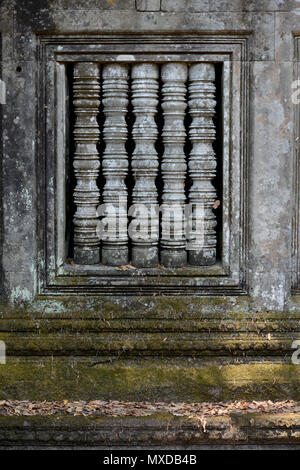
[[115, 163], [86, 162], [173, 243], [202, 163], [145, 165]]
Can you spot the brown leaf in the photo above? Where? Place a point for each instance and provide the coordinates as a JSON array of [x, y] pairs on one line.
[[197, 411], [70, 261], [252, 406], [126, 267]]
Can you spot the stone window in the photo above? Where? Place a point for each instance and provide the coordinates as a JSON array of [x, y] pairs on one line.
[[144, 160], [142, 156]]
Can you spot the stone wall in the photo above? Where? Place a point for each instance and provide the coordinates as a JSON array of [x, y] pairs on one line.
[[67, 337]]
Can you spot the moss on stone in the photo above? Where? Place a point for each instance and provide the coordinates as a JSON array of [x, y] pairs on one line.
[[152, 379]]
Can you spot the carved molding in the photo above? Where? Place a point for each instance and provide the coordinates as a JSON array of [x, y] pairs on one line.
[[296, 184]]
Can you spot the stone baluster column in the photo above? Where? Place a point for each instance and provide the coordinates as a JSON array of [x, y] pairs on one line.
[[115, 163], [173, 243], [86, 163], [145, 165], [202, 162]]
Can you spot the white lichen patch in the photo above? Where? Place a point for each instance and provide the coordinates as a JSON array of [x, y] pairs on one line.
[[20, 294], [26, 198]]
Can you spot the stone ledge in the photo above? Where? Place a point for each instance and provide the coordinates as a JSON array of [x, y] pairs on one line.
[[149, 432]]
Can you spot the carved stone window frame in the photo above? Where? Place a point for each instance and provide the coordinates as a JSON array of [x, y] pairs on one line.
[[55, 275]]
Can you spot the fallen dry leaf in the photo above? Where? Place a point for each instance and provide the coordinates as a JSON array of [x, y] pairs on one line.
[[126, 267], [198, 411], [70, 261]]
